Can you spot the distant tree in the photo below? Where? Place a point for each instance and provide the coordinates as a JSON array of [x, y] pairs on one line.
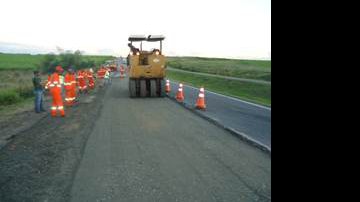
[[48, 63], [77, 58], [66, 59]]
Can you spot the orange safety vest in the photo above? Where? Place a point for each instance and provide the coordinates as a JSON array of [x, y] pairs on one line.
[[101, 73], [54, 82], [69, 81]]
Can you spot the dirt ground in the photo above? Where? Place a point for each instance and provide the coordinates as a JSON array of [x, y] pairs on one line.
[[39, 154]]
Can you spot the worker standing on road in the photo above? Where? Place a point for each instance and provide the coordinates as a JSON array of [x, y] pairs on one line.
[[100, 76], [90, 78], [70, 87], [81, 81], [107, 77], [38, 90], [55, 90]]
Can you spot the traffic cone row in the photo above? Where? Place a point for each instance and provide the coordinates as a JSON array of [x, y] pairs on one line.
[[200, 102]]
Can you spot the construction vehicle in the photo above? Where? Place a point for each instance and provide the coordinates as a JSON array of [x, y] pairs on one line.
[[147, 68]]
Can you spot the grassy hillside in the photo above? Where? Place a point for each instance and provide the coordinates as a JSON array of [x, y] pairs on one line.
[[16, 86], [19, 61], [99, 59], [30, 62], [251, 69]]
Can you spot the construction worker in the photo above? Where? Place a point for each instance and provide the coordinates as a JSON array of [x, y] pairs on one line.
[[55, 90], [100, 76], [81, 81], [90, 78], [70, 87], [107, 76]]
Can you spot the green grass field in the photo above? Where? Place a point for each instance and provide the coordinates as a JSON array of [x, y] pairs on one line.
[[256, 93], [250, 69], [19, 61], [31, 62]]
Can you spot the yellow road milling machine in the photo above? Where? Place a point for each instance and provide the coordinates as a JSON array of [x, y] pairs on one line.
[[147, 68]]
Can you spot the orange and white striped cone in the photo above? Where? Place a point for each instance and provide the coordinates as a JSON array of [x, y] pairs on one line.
[[180, 93], [200, 103], [167, 86]]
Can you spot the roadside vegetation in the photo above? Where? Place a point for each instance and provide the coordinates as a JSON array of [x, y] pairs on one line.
[[16, 72], [15, 86], [253, 92], [32, 62], [19, 61], [250, 69]]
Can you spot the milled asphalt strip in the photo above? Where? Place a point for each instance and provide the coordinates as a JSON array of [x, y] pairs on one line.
[[220, 76]]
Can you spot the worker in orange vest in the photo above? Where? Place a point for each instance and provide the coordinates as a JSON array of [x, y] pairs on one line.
[[55, 90], [70, 87], [81, 81], [90, 78], [100, 76]]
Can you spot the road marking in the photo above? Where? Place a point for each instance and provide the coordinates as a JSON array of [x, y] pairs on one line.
[[232, 98]]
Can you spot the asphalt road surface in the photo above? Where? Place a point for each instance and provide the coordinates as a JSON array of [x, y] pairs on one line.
[[250, 119], [153, 149]]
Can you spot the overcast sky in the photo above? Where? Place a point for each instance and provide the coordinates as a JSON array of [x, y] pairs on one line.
[[210, 28]]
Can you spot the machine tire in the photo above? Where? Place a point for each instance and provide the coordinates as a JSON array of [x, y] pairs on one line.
[[162, 88], [142, 88], [153, 88], [132, 88]]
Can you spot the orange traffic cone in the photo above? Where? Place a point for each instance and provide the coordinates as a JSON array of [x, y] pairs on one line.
[[200, 103], [180, 93], [167, 86]]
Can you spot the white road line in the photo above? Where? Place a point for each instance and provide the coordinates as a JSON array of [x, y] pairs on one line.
[[232, 98]]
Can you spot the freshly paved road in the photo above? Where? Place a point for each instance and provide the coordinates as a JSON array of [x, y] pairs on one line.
[[153, 149], [252, 120]]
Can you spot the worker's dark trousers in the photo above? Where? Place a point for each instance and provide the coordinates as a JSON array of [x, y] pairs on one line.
[[39, 101]]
